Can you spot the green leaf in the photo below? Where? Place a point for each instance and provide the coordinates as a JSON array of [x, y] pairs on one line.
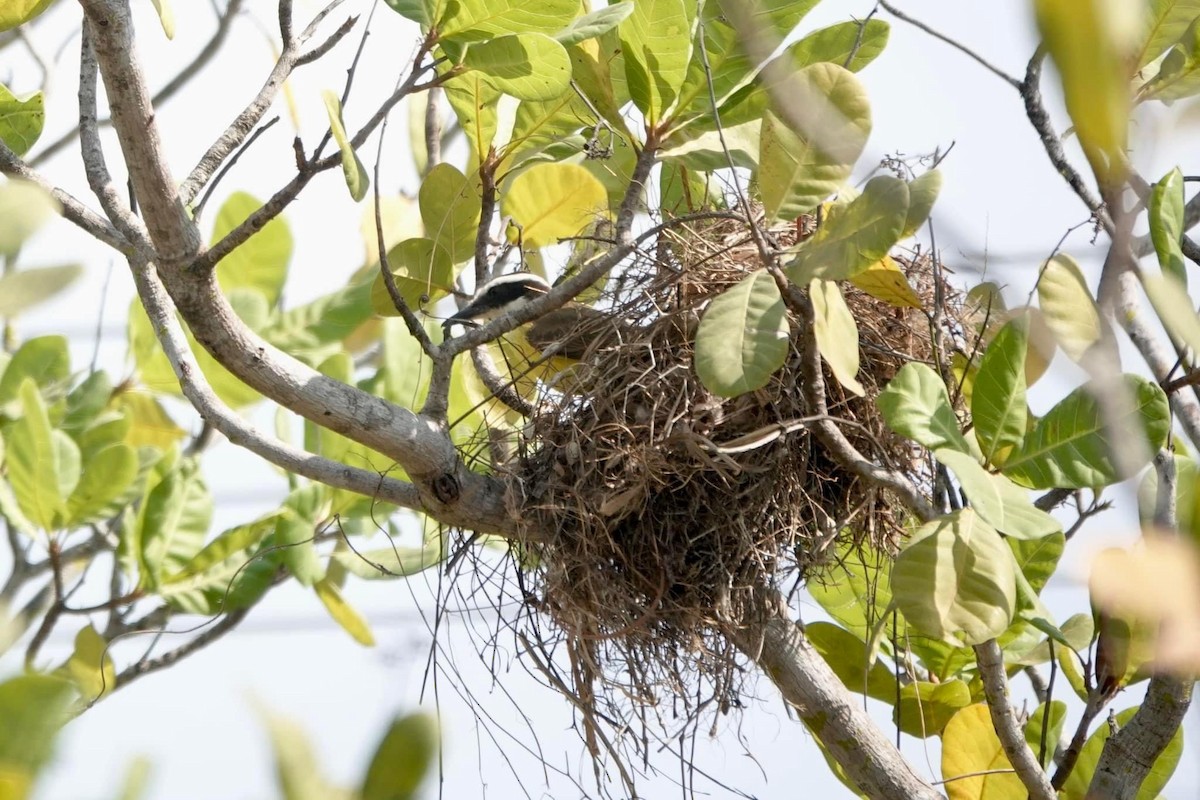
[[656, 41], [1077, 783], [1179, 72], [405, 369], [449, 203], [296, 769], [107, 474], [166, 16], [403, 759], [1167, 224], [424, 274], [1084, 39], [855, 589], [1069, 447], [926, 708], [34, 708], [45, 360], [1038, 723], [307, 331], [836, 43], [1167, 21], [597, 23], [137, 779], [474, 100], [416, 10], [303, 510], [476, 20], [151, 425], [1171, 302], [343, 613], [226, 574], [172, 522], [553, 201], [528, 66], [261, 262], [915, 404], [24, 207], [18, 12], [855, 235], [922, 194], [32, 461], [385, 563], [1067, 306], [21, 120], [1000, 502], [798, 169], [836, 333], [971, 754], [1037, 558], [954, 580], [998, 406], [357, 180], [743, 337], [90, 667], [846, 655]]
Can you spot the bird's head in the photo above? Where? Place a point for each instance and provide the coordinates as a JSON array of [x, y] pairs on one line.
[[500, 295]]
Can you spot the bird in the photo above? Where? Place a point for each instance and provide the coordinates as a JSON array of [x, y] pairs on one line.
[[567, 332]]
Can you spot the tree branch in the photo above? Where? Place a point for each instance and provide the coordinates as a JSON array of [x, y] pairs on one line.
[[175, 236], [73, 209], [833, 715], [995, 687], [184, 76], [222, 418], [1130, 753]]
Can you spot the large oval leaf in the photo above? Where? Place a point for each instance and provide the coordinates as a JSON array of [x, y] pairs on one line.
[[261, 262], [554, 201], [1069, 448], [403, 759], [799, 168], [998, 406], [971, 754], [1004, 505], [1068, 307], [656, 41], [449, 204], [422, 271], [915, 404], [743, 337], [24, 207], [529, 66], [21, 120], [955, 580], [855, 235]]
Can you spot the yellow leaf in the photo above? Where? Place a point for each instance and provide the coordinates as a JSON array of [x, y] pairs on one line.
[[166, 15], [1090, 42], [151, 425], [970, 746], [90, 667], [554, 201], [343, 613], [836, 333], [884, 280]]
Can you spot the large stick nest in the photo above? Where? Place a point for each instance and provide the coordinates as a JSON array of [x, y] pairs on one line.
[[667, 515]]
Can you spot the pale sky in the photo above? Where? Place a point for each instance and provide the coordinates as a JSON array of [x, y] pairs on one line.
[[197, 722]]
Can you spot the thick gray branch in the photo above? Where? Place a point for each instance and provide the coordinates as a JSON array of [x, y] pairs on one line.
[[176, 239], [222, 418], [831, 712]]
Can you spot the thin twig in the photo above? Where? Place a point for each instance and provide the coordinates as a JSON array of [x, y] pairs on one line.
[[160, 98], [198, 210], [999, 73]]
